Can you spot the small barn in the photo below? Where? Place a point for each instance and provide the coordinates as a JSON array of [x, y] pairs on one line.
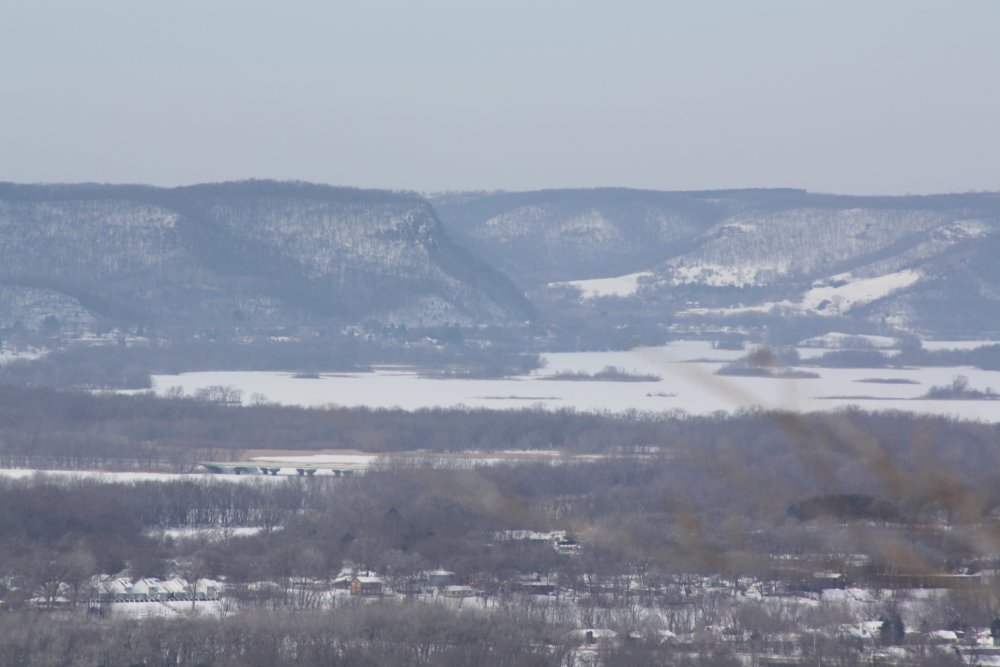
[[366, 586]]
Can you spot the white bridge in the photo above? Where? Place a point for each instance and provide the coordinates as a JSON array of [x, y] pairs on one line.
[[275, 467]]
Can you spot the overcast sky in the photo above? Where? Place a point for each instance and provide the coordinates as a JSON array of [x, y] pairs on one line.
[[893, 96]]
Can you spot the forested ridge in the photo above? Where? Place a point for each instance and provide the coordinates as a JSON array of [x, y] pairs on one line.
[[251, 256], [246, 264]]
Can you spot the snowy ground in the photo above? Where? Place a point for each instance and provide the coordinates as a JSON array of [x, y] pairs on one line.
[[463, 459], [125, 477], [207, 532], [846, 293], [688, 383], [165, 609], [621, 286], [289, 462], [934, 345], [837, 296], [7, 355]]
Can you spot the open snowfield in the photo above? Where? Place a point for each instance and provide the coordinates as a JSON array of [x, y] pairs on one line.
[[206, 532], [842, 294], [621, 286], [165, 609], [688, 383], [934, 345], [7, 355], [129, 477], [848, 293]]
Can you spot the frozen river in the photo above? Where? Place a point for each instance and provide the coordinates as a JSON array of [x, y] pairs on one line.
[[687, 382]]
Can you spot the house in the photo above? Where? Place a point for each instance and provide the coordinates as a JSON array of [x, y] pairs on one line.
[[567, 545], [42, 602], [150, 590], [138, 592], [366, 585], [343, 580], [176, 588], [537, 587], [115, 590], [207, 589], [534, 585], [459, 592]]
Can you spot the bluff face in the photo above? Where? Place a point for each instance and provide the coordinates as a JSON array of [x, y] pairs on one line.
[[729, 258], [602, 267], [246, 255]]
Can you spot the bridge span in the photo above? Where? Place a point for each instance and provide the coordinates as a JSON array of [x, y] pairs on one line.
[[280, 467]]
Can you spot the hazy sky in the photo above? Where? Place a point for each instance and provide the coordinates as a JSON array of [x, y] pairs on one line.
[[888, 96]]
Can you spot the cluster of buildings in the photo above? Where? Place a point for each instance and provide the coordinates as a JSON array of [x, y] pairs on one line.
[[434, 582], [106, 589]]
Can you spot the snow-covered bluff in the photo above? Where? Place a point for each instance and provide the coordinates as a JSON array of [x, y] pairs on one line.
[[741, 251], [242, 254]]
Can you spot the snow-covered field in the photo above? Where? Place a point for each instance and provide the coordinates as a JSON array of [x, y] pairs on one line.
[[207, 532], [836, 296], [621, 286], [688, 383], [847, 293], [165, 609], [127, 477], [7, 355], [934, 345]]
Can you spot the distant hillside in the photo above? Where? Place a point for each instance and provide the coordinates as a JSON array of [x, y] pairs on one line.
[[723, 258], [236, 255], [603, 268], [538, 237]]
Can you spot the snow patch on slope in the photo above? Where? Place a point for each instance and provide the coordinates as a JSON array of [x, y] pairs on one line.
[[620, 286], [835, 296], [8, 355], [848, 293], [744, 227], [961, 230]]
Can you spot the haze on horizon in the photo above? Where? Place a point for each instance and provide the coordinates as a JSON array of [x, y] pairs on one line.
[[854, 97]]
